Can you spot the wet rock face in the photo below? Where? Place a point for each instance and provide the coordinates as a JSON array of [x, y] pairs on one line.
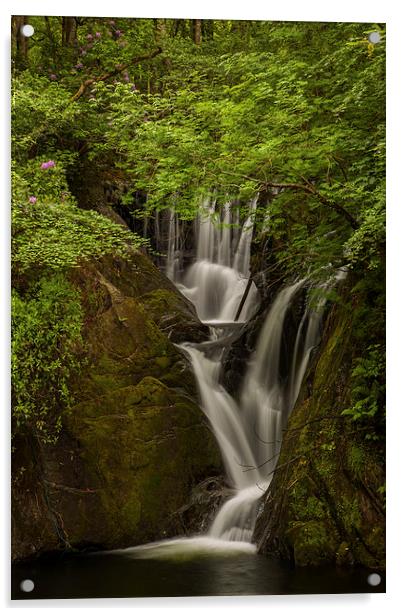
[[325, 504], [236, 357], [136, 442], [197, 515]]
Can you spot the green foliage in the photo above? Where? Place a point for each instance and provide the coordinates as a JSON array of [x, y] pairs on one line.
[[254, 103], [40, 114], [368, 389], [234, 121], [57, 235], [46, 354], [357, 460], [46, 185], [367, 244]]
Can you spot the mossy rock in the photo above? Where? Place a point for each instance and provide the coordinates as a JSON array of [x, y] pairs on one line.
[[174, 317], [344, 555], [135, 443], [145, 456], [313, 542], [137, 277], [325, 495]]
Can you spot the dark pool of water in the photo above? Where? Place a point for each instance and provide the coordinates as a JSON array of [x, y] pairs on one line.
[[119, 575]]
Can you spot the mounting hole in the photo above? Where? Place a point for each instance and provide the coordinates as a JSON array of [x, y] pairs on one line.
[[27, 585], [374, 37], [374, 579], [27, 30]]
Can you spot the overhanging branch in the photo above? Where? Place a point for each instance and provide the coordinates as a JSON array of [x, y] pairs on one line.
[[308, 188], [116, 71]]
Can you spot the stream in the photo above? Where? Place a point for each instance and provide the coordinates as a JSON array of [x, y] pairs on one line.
[[248, 430]]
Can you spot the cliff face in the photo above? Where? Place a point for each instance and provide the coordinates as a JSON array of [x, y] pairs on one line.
[[135, 443], [325, 503]]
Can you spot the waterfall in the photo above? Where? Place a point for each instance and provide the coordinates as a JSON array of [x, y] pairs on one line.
[[224, 245], [173, 251], [308, 337], [248, 430], [263, 396], [157, 230], [242, 257], [224, 416], [211, 283]]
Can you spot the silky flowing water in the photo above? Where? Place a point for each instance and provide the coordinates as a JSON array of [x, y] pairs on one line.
[[248, 430]]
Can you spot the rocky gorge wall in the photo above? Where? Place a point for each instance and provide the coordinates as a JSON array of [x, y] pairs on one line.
[[135, 443], [325, 503]]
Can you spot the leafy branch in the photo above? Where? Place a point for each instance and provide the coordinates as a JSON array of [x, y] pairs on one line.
[[306, 187], [116, 71]]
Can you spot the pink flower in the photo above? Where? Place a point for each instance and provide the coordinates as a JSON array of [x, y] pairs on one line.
[[48, 164], [53, 77], [118, 33], [112, 22], [79, 65], [98, 34], [32, 199], [90, 37], [126, 77]]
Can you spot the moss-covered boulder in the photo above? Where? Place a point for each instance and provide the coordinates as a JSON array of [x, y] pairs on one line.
[[135, 443], [325, 503]]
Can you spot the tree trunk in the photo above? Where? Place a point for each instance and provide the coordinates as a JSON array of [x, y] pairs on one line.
[[20, 42], [159, 31], [52, 42], [176, 27], [69, 31], [197, 31]]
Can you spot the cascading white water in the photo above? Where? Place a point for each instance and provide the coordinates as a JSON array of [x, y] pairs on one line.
[[241, 261], [308, 336], [224, 416], [263, 395], [216, 291], [217, 280], [248, 432], [173, 252]]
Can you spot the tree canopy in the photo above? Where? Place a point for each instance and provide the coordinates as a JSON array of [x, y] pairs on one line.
[[294, 111]]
